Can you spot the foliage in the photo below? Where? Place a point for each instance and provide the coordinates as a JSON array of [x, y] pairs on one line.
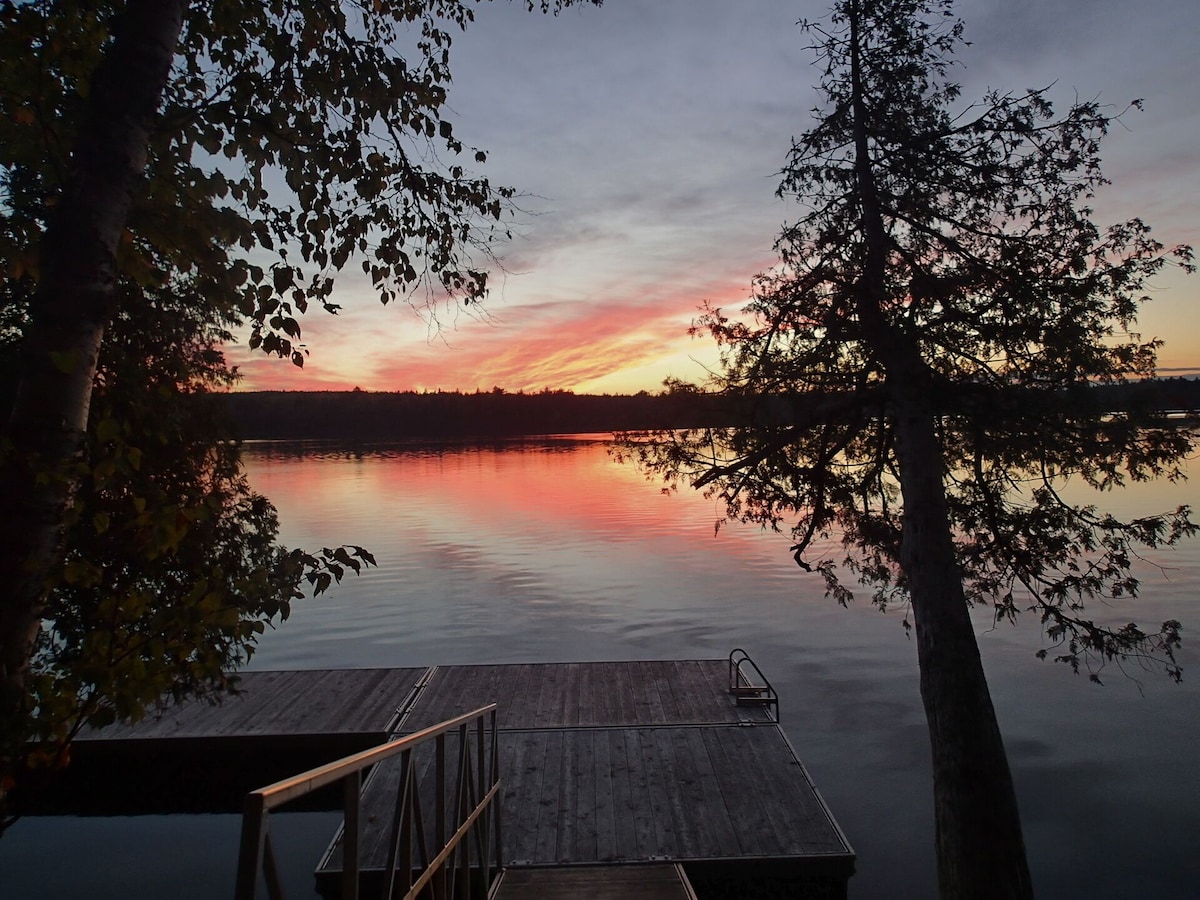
[[1017, 304], [294, 138], [172, 570]]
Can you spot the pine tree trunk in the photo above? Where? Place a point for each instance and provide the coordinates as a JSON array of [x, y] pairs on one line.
[[71, 308], [980, 847]]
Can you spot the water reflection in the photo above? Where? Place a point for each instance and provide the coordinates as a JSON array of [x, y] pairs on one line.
[[547, 550]]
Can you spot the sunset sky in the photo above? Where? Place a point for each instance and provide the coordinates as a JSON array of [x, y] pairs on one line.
[[646, 137]]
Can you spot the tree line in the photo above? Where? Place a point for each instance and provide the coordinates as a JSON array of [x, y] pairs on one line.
[[403, 415], [371, 416]]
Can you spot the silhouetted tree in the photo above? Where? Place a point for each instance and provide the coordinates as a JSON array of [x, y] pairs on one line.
[[917, 372], [140, 138]]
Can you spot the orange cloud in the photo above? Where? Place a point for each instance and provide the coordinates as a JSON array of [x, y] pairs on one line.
[[562, 345], [567, 344]]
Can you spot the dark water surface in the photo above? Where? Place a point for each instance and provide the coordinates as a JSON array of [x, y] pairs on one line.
[[547, 550]]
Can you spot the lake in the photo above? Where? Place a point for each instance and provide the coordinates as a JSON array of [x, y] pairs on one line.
[[547, 550]]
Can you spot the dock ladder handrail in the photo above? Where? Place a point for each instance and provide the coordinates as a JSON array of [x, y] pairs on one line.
[[476, 788], [747, 690]]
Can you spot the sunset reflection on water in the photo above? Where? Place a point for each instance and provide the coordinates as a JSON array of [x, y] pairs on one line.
[[549, 550], [545, 550]]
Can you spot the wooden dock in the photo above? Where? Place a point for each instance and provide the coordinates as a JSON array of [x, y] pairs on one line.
[[340, 706], [648, 773], [628, 763], [200, 757]]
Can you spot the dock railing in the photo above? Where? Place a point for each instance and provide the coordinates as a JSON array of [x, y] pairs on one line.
[[748, 685], [474, 816]]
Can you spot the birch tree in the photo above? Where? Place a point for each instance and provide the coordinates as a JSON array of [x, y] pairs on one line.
[[254, 149]]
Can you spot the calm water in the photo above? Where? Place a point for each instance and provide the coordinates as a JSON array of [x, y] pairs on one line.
[[547, 550]]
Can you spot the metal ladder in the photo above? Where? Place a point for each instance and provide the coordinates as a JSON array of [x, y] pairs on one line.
[[749, 686]]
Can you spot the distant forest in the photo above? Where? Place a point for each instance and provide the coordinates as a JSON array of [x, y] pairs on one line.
[[382, 416], [379, 416]]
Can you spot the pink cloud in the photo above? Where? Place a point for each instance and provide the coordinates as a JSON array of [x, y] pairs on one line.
[[560, 344], [564, 345]]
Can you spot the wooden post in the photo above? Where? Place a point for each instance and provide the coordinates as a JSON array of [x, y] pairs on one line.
[[351, 792], [251, 846]]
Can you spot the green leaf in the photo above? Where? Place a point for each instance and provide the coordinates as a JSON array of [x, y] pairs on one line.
[[107, 430]]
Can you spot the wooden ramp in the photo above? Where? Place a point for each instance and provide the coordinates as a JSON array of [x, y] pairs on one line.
[[654, 882], [628, 764]]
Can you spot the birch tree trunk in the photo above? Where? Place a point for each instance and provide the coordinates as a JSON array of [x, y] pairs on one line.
[[71, 308]]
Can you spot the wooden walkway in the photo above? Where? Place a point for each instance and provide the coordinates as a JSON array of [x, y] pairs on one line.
[[585, 695]]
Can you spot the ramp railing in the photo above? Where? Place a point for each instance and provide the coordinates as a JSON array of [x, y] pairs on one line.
[[465, 815]]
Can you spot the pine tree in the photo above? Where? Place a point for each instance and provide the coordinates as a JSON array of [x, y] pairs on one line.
[[916, 379]]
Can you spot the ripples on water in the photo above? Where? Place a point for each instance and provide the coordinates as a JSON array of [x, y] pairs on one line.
[[548, 550]]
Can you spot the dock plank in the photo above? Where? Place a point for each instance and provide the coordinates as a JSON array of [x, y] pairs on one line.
[[700, 787], [516, 686], [647, 841], [605, 817], [744, 819], [699, 689], [666, 682], [570, 703], [551, 699], [543, 843], [573, 817], [659, 800], [680, 797], [562, 695], [608, 690], [585, 707], [523, 774], [754, 768], [623, 792], [647, 705]]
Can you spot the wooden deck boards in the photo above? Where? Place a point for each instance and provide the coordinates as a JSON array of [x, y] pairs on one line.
[[592, 695], [319, 701], [654, 882], [630, 763], [198, 757], [624, 763], [629, 795]]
